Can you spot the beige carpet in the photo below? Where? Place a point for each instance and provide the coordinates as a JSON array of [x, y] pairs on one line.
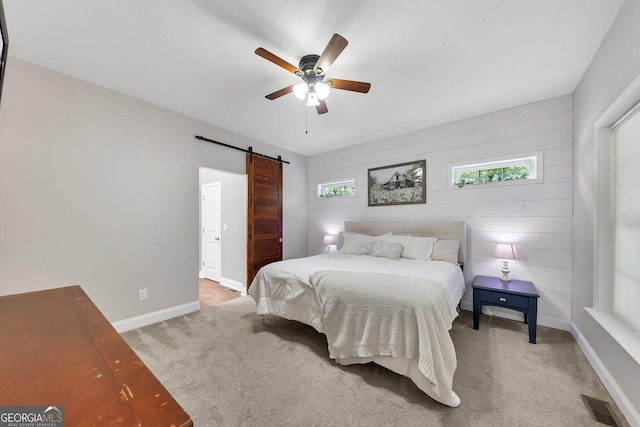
[[227, 368]]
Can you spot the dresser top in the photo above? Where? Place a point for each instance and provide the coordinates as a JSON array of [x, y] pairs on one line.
[[58, 349]]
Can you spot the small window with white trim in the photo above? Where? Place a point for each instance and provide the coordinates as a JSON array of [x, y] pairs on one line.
[[518, 169], [344, 188]]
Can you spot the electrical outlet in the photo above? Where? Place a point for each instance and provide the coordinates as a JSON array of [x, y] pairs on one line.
[[142, 294]]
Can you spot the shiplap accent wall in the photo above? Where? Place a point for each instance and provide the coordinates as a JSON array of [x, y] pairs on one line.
[[537, 218]]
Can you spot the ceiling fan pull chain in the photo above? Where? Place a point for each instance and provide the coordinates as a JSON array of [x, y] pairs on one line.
[[306, 121]]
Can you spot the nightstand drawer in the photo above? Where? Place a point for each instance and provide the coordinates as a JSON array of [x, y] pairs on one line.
[[502, 298]]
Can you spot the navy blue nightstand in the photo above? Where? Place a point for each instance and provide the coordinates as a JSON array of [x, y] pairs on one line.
[[515, 295]]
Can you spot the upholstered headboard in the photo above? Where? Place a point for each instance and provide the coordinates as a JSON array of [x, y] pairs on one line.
[[444, 230]]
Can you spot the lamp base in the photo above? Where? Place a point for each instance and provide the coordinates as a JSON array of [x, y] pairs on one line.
[[505, 272]]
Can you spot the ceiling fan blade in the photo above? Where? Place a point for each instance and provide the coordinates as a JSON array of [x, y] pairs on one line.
[[351, 85], [279, 93], [322, 107], [335, 46], [277, 60]]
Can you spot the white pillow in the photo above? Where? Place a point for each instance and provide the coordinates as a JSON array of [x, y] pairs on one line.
[[446, 250], [418, 248], [393, 238]]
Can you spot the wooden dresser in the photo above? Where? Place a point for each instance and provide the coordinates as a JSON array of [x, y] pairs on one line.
[[56, 348]]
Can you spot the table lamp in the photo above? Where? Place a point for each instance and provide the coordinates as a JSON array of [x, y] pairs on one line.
[[505, 251], [328, 240]]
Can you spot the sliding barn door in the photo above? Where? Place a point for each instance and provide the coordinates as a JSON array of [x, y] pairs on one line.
[[264, 234]]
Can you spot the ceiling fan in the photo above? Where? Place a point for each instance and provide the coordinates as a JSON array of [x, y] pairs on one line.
[[312, 69]]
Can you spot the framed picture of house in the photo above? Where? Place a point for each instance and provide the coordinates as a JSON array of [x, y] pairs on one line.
[[399, 184]]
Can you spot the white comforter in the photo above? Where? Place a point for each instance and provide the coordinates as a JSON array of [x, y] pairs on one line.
[[287, 289], [392, 316]]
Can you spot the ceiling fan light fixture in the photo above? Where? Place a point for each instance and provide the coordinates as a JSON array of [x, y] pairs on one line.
[[322, 89], [311, 69], [313, 100], [300, 90]]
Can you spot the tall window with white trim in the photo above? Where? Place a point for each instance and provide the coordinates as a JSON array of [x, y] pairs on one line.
[[626, 221]]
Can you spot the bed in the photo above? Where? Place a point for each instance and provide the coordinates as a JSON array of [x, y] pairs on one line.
[[388, 296]]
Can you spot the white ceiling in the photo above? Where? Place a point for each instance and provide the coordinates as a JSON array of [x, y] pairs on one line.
[[429, 62]]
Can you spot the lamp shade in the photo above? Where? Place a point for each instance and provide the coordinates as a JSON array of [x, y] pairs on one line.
[[505, 251], [322, 89], [300, 90], [328, 240], [313, 100]]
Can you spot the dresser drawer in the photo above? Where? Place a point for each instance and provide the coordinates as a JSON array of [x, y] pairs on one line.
[[504, 299]]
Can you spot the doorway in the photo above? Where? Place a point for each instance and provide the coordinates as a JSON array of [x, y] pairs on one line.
[[223, 229]]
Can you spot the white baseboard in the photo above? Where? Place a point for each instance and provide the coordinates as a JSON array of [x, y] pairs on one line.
[[233, 284], [514, 315], [155, 317], [201, 274], [630, 413], [564, 325]]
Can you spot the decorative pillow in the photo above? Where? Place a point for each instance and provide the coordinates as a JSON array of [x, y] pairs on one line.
[[387, 250], [418, 248], [365, 248], [446, 250]]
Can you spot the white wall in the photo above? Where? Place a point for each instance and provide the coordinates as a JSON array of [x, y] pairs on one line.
[[101, 190], [615, 66], [536, 217], [234, 225]]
